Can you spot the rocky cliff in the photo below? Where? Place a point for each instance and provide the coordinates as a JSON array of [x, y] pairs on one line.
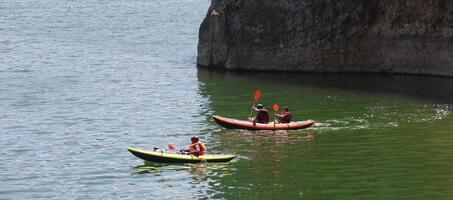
[[395, 36]]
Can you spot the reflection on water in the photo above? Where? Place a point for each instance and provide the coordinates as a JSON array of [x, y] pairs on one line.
[[199, 177], [197, 170], [437, 89], [277, 138]]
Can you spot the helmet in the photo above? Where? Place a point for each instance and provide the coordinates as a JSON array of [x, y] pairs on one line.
[[259, 106]]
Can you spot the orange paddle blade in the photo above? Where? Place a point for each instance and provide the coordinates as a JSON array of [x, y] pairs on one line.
[[275, 107], [171, 147], [257, 95]]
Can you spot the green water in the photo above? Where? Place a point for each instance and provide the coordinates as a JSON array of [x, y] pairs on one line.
[[377, 137]]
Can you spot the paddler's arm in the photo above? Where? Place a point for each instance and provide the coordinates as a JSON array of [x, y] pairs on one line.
[[197, 150]]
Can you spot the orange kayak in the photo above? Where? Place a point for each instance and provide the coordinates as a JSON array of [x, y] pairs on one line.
[[242, 124]]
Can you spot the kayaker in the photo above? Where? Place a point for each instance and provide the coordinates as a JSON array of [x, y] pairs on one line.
[[285, 116], [197, 147], [262, 115]]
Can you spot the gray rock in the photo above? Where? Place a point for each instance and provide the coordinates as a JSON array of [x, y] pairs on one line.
[[395, 36]]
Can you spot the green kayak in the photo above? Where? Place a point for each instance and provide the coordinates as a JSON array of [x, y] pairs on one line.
[[154, 156]]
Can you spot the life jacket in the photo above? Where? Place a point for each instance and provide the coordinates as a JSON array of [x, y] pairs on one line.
[[287, 117], [262, 116], [200, 145]]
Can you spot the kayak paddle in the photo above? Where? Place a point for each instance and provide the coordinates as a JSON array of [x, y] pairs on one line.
[[171, 147], [256, 98], [275, 107]]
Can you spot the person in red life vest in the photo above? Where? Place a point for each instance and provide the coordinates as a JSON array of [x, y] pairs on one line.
[[262, 115], [285, 116], [197, 148]]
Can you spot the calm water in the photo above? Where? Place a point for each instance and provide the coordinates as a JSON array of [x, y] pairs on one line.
[[82, 80]]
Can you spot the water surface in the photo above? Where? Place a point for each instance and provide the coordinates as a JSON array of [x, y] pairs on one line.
[[377, 136], [82, 80]]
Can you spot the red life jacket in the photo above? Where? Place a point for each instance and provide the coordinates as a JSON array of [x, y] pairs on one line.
[[287, 117], [262, 116], [200, 145]]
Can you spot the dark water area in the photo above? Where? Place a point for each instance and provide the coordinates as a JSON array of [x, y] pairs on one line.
[[80, 81], [432, 88]]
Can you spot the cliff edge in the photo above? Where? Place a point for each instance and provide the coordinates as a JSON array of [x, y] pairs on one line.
[[394, 36]]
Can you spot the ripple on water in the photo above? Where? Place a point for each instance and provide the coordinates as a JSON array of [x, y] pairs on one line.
[[82, 80], [77, 93]]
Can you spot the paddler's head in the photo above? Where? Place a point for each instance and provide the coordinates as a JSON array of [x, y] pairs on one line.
[[259, 106], [194, 139], [285, 109]]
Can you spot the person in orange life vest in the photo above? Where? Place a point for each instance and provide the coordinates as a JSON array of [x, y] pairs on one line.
[[285, 116], [262, 115], [197, 148]]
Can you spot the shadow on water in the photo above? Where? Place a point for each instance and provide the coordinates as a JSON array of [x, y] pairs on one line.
[[433, 88]]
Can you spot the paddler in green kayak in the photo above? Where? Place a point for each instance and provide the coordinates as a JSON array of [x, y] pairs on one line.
[[197, 147]]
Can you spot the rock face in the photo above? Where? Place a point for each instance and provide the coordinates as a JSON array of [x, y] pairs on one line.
[[395, 36]]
